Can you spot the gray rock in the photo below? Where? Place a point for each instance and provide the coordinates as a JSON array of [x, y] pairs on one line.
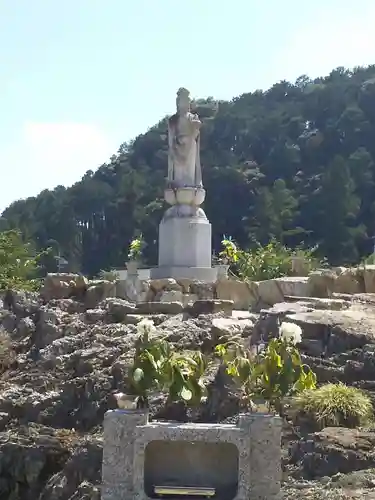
[[211, 306], [159, 307]]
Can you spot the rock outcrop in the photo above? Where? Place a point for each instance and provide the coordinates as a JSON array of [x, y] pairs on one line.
[[64, 355]]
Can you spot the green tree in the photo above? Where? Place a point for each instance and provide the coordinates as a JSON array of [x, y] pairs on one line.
[[338, 209], [266, 158], [18, 262]]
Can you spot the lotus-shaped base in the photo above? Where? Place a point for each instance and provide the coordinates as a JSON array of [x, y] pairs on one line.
[[185, 196]]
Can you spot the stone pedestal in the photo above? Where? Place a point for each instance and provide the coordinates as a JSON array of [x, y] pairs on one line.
[[185, 238], [238, 461]]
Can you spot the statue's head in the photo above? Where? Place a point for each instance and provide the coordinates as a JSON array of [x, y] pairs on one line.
[[183, 100]]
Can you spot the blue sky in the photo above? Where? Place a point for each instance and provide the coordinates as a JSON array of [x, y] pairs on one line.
[[79, 77]]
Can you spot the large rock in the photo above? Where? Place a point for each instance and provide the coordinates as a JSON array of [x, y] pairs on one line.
[[272, 291], [211, 306], [170, 296], [98, 291], [349, 280], [118, 309], [202, 290], [324, 283], [368, 273], [231, 327], [321, 283], [159, 308], [244, 294], [333, 450], [347, 329], [164, 284], [63, 285]]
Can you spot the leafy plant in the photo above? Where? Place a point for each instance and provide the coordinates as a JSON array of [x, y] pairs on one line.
[[335, 405], [136, 248], [239, 364], [229, 253], [156, 366], [18, 263], [280, 373], [369, 260], [271, 261], [274, 373]]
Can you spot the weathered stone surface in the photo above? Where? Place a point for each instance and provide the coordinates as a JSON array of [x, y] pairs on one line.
[[170, 296], [202, 290], [325, 282], [188, 299], [230, 327], [349, 280], [335, 304], [243, 294], [70, 360], [159, 307], [273, 291], [351, 328], [164, 284], [63, 285], [211, 306], [321, 283], [99, 291], [368, 273], [185, 284], [333, 450], [128, 434], [93, 316], [117, 309]]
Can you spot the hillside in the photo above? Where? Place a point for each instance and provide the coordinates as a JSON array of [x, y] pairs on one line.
[[275, 164]]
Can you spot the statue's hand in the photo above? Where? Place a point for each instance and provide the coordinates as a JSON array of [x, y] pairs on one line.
[[195, 121]]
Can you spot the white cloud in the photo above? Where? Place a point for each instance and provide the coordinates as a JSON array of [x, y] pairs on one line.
[[45, 155], [331, 39]]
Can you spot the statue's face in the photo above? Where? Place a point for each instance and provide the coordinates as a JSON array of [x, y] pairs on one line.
[[183, 103]]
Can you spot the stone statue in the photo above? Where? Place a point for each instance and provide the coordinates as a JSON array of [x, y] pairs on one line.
[[184, 168]]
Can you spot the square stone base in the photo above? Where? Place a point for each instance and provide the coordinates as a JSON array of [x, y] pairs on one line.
[[206, 274], [185, 242]]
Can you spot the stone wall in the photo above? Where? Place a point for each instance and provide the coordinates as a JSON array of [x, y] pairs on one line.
[[249, 295]]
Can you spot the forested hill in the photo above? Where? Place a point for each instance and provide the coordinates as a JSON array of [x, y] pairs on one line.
[[295, 162]]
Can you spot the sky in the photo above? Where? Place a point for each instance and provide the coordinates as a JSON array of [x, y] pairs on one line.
[[79, 77]]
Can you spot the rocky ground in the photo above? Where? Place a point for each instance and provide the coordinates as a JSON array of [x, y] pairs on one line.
[[62, 361]]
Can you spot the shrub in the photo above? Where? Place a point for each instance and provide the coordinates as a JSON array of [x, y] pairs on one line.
[[156, 366], [18, 263], [272, 261], [335, 405], [264, 262]]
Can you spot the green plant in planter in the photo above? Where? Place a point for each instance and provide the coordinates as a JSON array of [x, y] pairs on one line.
[[273, 374], [280, 371], [157, 367], [239, 364], [136, 248], [185, 379], [229, 253]]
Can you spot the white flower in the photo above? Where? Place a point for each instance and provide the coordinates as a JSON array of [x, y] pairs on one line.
[[291, 331], [138, 374], [146, 326]]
